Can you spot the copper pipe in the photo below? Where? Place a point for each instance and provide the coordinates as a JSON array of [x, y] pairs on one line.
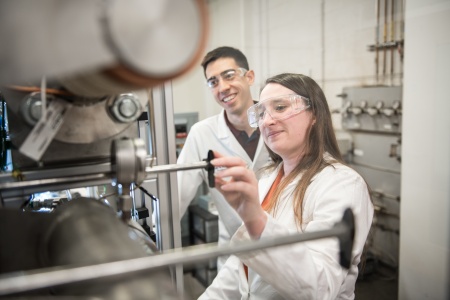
[[31, 89]]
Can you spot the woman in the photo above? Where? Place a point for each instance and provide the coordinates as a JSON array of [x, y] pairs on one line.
[[306, 188]]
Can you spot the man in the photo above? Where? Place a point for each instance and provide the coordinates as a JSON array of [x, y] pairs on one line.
[[229, 78]]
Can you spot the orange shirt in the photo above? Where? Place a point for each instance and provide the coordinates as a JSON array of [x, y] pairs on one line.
[[266, 201]]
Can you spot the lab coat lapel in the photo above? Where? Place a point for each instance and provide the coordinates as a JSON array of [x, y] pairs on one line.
[[228, 139]]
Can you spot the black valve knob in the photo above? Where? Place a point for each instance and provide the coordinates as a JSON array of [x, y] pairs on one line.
[[210, 169]]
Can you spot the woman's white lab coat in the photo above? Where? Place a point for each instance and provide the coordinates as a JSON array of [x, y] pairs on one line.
[[308, 270], [214, 134]]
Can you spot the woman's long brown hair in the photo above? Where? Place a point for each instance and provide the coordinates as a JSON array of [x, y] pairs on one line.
[[321, 139]]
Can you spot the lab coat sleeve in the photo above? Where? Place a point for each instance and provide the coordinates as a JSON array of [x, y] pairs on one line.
[[311, 270], [225, 285], [189, 181]]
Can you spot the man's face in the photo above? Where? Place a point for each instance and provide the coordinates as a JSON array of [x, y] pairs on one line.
[[232, 90]]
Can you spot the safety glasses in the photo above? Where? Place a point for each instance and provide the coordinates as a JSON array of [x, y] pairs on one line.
[[279, 108], [227, 75]]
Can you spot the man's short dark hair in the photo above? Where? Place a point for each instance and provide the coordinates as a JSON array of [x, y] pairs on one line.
[[225, 52]]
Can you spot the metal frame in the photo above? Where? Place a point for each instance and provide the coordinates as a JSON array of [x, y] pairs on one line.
[[168, 224]]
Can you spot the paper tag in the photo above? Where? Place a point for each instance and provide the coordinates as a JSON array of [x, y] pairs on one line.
[[358, 152], [45, 130]]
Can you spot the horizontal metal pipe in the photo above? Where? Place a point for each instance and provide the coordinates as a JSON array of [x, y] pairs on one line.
[[48, 179], [175, 167], [384, 195], [48, 182], [26, 281], [374, 167]]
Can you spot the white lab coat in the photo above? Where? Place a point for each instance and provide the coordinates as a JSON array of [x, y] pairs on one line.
[[308, 270], [214, 134]]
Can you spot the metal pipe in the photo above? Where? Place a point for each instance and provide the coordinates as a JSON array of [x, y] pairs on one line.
[[392, 40], [31, 280], [378, 194], [385, 28], [46, 183], [175, 167], [375, 167], [84, 176], [377, 39], [151, 121]]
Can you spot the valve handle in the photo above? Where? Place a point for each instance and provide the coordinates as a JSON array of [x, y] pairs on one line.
[[210, 169]]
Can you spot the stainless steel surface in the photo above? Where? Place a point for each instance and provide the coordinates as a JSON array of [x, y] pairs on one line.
[[57, 276], [127, 44], [129, 160], [81, 232], [151, 38]]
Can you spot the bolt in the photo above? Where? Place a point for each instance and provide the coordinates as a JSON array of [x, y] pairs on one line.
[[126, 108]]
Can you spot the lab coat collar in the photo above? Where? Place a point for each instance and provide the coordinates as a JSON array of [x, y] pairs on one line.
[[222, 127]]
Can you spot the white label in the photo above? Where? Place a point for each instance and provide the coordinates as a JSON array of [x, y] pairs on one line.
[[358, 152], [45, 130]]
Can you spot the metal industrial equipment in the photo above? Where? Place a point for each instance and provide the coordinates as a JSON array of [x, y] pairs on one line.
[[372, 116], [76, 77], [86, 104]]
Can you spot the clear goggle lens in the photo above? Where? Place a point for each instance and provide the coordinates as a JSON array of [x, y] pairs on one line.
[[279, 108], [228, 75]]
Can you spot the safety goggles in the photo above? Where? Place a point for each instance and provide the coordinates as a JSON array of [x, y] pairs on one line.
[[279, 108], [227, 75]]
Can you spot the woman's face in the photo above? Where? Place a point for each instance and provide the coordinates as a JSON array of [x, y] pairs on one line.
[[288, 137]]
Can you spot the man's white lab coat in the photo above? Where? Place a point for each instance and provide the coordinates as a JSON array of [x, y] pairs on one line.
[[214, 134]]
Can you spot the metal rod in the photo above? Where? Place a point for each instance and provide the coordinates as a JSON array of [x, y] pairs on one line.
[[48, 182], [26, 281], [87, 175], [175, 167]]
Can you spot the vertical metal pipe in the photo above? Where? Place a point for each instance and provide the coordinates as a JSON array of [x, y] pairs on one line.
[[377, 38], [385, 28], [151, 123], [322, 33], [392, 40]]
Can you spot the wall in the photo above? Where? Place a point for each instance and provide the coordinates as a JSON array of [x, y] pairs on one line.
[[328, 40], [227, 23], [317, 38], [425, 209]]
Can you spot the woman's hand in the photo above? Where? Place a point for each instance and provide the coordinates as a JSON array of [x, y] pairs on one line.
[[239, 186]]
